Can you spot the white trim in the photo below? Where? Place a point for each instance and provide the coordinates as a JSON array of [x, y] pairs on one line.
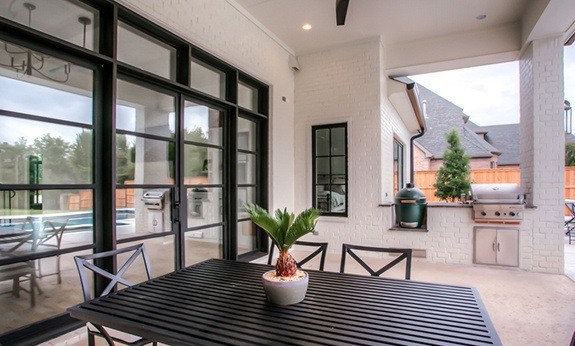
[[257, 23]]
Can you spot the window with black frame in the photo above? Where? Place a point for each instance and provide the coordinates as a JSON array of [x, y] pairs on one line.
[[123, 134], [397, 166], [330, 178]]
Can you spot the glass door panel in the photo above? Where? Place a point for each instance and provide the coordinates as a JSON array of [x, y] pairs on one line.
[[203, 167]]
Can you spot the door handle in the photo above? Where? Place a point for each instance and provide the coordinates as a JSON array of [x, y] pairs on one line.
[[493, 246], [499, 247]]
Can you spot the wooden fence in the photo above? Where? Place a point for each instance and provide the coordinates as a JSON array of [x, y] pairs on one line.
[[424, 180]]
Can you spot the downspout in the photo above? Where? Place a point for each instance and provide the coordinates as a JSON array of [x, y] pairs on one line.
[[413, 95]]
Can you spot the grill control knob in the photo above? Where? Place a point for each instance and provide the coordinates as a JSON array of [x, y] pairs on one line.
[[511, 213], [483, 213], [497, 213]]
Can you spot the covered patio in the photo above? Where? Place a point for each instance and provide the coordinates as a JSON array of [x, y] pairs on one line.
[[143, 121]]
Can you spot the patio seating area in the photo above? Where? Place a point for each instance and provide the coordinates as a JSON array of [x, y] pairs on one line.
[[526, 308]]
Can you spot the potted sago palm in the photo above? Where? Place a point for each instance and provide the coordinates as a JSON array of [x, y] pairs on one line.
[[286, 284]]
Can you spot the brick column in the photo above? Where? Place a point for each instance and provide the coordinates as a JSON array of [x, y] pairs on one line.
[[542, 150]]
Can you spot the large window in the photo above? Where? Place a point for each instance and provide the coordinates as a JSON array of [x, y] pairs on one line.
[[397, 166], [114, 131], [330, 169], [46, 182]]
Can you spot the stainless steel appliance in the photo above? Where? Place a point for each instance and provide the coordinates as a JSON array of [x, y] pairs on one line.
[[498, 206], [498, 203]]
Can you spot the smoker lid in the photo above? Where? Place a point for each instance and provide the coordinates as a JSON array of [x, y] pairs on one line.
[[154, 194], [497, 193]]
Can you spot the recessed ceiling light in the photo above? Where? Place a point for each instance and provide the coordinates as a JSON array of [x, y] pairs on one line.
[[306, 26], [481, 17]]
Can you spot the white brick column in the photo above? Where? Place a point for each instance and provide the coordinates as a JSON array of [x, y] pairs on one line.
[[542, 152]]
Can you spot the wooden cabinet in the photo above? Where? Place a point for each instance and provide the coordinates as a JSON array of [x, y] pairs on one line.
[[496, 246]]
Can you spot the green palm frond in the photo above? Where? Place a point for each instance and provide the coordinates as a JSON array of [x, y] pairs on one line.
[[303, 224], [261, 218], [285, 228]]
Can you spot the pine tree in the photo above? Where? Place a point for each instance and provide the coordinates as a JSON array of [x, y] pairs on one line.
[[453, 178]]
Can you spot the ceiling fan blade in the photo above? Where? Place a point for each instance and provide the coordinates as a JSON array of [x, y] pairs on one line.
[[341, 11]]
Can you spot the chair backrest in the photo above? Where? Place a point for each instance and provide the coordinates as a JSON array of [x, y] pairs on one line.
[[404, 254], [571, 207], [85, 266], [321, 249]]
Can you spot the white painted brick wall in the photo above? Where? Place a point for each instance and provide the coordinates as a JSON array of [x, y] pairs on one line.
[[542, 143], [346, 84], [221, 29]]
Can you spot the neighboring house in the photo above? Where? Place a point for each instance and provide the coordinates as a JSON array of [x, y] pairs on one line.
[[441, 116], [488, 146]]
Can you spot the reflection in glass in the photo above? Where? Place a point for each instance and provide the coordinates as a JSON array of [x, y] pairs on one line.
[[145, 52], [33, 152], [246, 134], [160, 251], [144, 161], [338, 170], [72, 21], [322, 170], [204, 206], [202, 124], [53, 88], [58, 291], [203, 244], [142, 110], [44, 220], [246, 237], [245, 195], [137, 216], [322, 142], [338, 141], [331, 198], [247, 97], [208, 79], [246, 168], [202, 165]]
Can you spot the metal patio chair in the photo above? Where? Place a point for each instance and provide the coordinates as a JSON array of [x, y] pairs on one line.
[[51, 237], [570, 220], [404, 254], [321, 249], [19, 273], [85, 266]]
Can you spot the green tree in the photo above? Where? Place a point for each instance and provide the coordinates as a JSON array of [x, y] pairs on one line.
[[81, 157], [570, 154], [453, 178], [55, 155], [125, 160], [13, 162]]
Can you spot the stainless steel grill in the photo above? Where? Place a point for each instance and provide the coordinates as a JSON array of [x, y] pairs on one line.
[[498, 203]]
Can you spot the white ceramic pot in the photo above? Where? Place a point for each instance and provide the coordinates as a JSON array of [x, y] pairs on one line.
[[285, 292]]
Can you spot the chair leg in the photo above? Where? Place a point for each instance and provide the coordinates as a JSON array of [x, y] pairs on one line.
[[33, 290], [16, 287], [58, 269], [91, 339]]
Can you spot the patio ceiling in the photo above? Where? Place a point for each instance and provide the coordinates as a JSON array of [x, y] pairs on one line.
[[419, 35]]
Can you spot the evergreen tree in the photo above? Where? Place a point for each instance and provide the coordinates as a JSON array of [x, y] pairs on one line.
[[453, 178], [570, 154]]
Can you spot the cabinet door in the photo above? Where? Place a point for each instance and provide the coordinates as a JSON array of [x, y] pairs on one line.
[[508, 247], [485, 245]]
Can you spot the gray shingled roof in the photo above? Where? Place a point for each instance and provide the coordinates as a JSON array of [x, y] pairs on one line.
[[506, 138], [442, 117]]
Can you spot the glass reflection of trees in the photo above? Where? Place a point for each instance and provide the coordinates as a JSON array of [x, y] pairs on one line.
[[62, 162]]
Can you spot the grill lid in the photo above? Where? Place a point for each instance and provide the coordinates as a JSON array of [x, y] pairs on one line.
[[497, 193]]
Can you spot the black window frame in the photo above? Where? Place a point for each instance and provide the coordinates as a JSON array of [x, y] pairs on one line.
[[399, 158], [103, 60], [314, 167]]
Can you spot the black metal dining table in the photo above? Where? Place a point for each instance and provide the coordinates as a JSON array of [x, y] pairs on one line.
[[222, 302]]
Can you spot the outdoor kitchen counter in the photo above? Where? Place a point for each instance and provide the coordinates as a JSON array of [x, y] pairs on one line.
[[435, 205]]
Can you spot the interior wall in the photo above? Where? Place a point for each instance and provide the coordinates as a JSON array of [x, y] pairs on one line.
[[346, 84], [222, 30]]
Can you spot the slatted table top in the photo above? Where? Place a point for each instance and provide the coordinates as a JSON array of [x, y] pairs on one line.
[[222, 302]]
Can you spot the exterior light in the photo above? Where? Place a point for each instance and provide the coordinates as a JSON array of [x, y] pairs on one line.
[[306, 26]]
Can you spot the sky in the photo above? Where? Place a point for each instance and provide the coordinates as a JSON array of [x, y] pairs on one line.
[[490, 94]]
